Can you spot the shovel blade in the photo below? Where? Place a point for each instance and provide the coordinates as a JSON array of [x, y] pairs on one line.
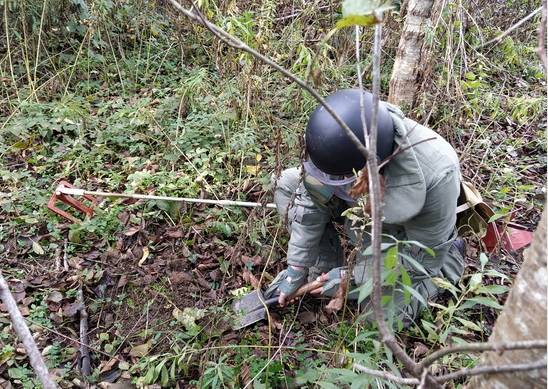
[[250, 309]]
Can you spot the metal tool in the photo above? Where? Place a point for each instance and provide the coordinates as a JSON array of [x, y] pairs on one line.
[[65, 192], [253, 307]]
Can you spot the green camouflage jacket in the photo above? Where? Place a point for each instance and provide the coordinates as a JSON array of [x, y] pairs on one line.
[[422, 185]]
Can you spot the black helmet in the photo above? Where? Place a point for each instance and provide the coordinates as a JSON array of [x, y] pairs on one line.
[[329, 149]]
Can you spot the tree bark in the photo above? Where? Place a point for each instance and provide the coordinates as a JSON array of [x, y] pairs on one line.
[[413, 52], [523, 317]]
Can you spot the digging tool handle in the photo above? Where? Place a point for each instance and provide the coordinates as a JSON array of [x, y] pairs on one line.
[[306, 288]]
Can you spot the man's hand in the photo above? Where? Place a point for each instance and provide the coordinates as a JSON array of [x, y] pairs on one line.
[[296, 277], [330, 281]]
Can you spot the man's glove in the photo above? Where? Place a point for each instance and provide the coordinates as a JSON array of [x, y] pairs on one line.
[[295, 277]]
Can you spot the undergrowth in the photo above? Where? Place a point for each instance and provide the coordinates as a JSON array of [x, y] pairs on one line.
[[127, 96]]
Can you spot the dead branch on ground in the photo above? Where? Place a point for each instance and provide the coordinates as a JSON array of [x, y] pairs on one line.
[[23, 332]]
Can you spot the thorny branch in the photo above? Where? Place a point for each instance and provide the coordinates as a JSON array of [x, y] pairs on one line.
[[23, 332]]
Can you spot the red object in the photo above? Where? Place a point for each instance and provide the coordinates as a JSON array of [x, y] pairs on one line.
[[511, 237], [72, 203]]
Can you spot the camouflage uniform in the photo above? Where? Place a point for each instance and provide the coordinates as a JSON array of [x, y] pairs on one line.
[[421, 189]]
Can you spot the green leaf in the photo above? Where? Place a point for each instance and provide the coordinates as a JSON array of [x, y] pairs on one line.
[[444, 284], [391, 257], [173, 370], [149, 376], [493, 289], [415, 294], [357, 20], [327, 385], [391, 277], [365, 290], [469, 324], [406, 280], [483, 260], [141, 350], [419, 244], [415, 264], [494, 273], [17, 373], [384, 247], [164, 376], [475, 281], [37, 248], [469, 303], [364, 7], [499, 214], [123, 365]]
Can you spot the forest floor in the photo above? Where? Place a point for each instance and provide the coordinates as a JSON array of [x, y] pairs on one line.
[[181, 116]]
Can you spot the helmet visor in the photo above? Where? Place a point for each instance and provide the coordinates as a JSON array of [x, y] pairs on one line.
[[327, 179]]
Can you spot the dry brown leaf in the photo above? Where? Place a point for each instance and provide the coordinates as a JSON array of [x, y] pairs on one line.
[[108, 366], [122, 281], [250, 279], [25, 311], [307, 317], [420, 349], [55, 296], [132, 231], [174, 233], [71, 309], [179, 277]]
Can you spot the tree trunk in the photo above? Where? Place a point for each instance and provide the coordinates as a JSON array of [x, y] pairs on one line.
[[413, 52], [523, 318]]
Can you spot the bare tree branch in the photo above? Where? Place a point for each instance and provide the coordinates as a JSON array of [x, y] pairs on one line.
[[478, 347], [360, 84], [385, 375], [85, 360], [511, 368], [500, 37], [387, 336], [232, 41], [400, 150], [23, 332], [541, 50]]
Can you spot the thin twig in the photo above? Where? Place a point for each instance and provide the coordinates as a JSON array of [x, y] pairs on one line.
[[23, 332], [478, 347], [232, 41], [499, 38], [385, 375], [400, 150], [511, 368], [85, 360]]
